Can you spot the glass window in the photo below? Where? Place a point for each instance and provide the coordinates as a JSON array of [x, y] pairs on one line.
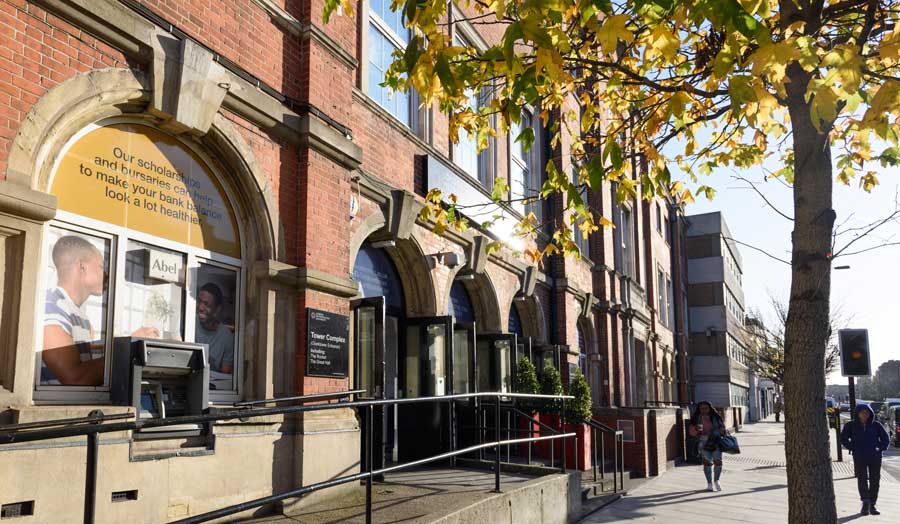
[[582, 243], [436, 386], [167, 265], [75, 311], [461, 357], [152, 297], [661, 310], [670, 311], [627, 245], [217, 321], [386, 35], [465, 152], [520, 166], [365, 341], [658, 218]]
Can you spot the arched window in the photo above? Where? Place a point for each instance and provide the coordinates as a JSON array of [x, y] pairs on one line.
[[145, 243], [582, 351]]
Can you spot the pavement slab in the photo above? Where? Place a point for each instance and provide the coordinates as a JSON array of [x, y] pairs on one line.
[[754, 489]]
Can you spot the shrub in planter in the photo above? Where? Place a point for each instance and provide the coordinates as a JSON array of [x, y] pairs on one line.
[[527, 382], [551, 384], [578, 412]]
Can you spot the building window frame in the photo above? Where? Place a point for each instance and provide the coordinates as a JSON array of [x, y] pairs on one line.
[[416, 118], [527, 164], [485, 168], [119, 237]]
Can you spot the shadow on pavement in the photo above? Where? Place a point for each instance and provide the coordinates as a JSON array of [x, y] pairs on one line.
[[665, 499], [851, 517]]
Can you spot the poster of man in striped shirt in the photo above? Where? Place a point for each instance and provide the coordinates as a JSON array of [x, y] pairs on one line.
[[72, 352]]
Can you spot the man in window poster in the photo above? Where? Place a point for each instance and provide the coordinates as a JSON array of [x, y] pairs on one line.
[[72, 352], [211, 331]]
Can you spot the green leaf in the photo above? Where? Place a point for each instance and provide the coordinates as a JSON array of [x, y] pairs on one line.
[[526, 138], [595, 173], [746, 25], [500, 189], [613, 153], [707, 191]]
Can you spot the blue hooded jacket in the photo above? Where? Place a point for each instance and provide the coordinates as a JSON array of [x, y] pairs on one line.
[[865, 441]]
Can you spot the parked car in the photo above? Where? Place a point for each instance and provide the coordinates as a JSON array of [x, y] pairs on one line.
[[892, 423], [884, 412], [845, 407]]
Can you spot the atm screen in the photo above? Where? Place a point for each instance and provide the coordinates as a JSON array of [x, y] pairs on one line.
[[149, 403]]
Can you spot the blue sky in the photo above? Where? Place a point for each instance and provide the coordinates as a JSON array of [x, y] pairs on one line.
[[868, 292]]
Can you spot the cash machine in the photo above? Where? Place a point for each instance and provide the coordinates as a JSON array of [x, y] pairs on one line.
[[161, 379]]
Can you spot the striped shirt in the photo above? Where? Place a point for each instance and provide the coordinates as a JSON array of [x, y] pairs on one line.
[[61, 311]]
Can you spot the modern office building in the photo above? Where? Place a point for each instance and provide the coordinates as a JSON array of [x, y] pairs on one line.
[[718, 351]]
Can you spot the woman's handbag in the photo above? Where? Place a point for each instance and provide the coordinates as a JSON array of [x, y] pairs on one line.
[[712, 442], [728, 444]]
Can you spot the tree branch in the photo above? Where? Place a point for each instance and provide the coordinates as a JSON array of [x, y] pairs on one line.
[[761, 195], [763, 251]]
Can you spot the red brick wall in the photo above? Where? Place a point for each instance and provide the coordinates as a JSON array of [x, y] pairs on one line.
[[241, 31], [37, 52], [637, 453]]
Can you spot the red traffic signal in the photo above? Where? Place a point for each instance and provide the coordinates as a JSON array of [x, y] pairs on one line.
[[854, 346]]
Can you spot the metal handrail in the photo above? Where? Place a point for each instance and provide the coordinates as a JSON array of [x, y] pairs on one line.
[[237, 508], [313, 396], [94, 427], [618, 453], [30, 436], [64, 422]]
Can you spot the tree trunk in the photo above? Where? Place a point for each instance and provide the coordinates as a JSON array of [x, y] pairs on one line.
[[810, 483]]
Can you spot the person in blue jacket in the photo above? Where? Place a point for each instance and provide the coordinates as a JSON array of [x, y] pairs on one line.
[[866, 439]]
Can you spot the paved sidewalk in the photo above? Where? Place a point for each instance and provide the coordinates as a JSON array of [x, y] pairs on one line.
[[754, 489]]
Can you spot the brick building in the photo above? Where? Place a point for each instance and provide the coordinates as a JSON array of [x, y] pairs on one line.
[[227, 174]]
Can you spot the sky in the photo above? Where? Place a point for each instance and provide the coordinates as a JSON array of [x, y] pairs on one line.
[[868, 292]]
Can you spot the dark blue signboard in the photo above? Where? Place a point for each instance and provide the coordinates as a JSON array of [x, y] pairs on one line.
[[327, 343], [375, 270], [460, 303]]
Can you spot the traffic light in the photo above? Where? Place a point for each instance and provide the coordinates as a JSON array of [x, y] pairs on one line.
[[854, 346]]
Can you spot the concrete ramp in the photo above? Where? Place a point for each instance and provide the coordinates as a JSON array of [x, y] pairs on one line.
[[452, 496]]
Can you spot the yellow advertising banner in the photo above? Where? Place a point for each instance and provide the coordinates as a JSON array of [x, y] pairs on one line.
[[134, 176]]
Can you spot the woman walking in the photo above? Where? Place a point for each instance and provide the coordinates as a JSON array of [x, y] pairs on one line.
[[866, 439], [707, 423]]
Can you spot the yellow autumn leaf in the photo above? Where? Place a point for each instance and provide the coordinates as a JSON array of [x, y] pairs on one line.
[[823, 108], [612, 31], [661, 42]]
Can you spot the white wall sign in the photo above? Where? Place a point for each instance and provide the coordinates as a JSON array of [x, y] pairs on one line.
[[168, 267]]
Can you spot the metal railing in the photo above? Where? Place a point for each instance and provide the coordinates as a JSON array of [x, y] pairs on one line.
[[94, 424], [603, 431]]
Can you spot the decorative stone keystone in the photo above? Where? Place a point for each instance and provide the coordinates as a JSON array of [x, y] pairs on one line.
[[188, 86]]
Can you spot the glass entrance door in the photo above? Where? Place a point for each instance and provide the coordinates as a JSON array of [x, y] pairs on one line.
[[426, 370], [369, 322], [495, 361]]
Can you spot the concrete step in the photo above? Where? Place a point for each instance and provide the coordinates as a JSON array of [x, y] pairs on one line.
[[590, 488]]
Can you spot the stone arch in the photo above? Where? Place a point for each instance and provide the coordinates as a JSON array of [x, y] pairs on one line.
[[409, 259], [101, 94], [125, 94], [531, 316], [484, 300]]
